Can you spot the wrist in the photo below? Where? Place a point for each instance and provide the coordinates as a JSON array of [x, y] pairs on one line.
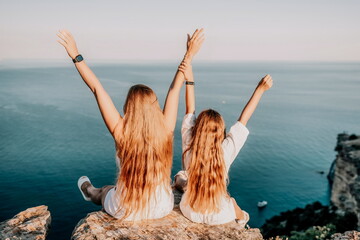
[[188, 57], [74, 55], [260, 89], [189, 80]]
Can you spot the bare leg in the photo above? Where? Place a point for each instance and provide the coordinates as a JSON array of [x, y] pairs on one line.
[[97, 195]]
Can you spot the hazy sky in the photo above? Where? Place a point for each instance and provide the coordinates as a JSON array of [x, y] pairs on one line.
[[156, 30]]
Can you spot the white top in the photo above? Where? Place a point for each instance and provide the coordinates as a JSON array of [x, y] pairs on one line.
[[160, 205], [231, 145]]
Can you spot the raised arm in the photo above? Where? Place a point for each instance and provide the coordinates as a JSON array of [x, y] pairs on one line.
[[264, 84], [186, 69], [172, 99], [108, 111]]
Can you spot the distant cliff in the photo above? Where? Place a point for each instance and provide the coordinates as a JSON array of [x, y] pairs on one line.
[[344, 175], [344, 211]]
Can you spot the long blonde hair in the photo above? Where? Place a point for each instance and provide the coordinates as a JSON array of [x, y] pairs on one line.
[[207, 171], [144, 147]]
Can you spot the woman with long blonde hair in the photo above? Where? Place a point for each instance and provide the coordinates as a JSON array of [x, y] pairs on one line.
[[143, 139], [208, 153]]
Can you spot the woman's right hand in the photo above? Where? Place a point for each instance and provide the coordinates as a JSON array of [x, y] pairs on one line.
[[68, 41], [265, 83], [194, 43], [186, 69]]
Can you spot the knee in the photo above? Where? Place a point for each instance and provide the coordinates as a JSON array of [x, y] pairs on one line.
[[180, 183]]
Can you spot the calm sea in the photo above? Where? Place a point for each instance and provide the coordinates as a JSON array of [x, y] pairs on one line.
[[51, 131]]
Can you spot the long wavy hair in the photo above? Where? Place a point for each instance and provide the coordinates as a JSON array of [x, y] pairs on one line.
[[144, 147], [207, 173]]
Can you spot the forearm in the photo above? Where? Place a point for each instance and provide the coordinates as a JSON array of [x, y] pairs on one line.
[[190, 99], [190, 92], [251, 106], [172, 100], [88, 76]]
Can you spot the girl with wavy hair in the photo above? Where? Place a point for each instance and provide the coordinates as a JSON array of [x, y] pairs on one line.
[[208, 153], [143, 139]]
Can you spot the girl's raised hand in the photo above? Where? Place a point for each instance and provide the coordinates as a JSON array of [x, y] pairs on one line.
[[194, 42], [186, 69], [265, 83], [68, 41]]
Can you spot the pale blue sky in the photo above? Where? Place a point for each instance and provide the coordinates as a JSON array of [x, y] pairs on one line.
[[156, 30]]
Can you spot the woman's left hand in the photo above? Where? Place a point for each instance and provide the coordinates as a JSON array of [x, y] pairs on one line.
[[68, 41]]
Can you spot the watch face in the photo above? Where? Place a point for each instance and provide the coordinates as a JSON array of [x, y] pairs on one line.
[[79, 58]]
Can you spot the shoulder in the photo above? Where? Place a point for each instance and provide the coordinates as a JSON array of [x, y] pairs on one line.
[[188, 120], [239, 128]]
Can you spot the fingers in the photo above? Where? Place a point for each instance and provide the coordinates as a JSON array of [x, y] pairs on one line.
[[62, 37], [183, 66], [201, 39], [181, 69], [194, 34], [184, 63], [197, 33], [267, 80], [67, 33], [62, 43]]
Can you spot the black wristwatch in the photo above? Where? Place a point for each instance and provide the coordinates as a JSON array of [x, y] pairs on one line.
[[78, 58]]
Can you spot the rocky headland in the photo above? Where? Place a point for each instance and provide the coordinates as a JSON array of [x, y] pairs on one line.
[[344, 175], [344, 211]]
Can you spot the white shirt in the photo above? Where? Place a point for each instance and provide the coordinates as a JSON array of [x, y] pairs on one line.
[[231, 145], [160, 205]]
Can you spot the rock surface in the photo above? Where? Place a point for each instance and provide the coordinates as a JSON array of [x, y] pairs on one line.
[[99, 225], [345, 175], [349, 235], [33, 223]]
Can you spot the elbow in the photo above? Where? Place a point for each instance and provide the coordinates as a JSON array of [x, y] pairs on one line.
[[243, 121]]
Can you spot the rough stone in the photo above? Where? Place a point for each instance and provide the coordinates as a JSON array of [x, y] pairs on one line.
[[349, 235], [99, 225], [33, 223]]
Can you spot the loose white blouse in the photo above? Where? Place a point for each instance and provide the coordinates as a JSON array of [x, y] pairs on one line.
[[231, 145]]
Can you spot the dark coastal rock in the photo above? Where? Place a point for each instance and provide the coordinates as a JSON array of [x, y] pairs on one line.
[[344, 175], [301, 219], [99, 225], [33, 223]]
